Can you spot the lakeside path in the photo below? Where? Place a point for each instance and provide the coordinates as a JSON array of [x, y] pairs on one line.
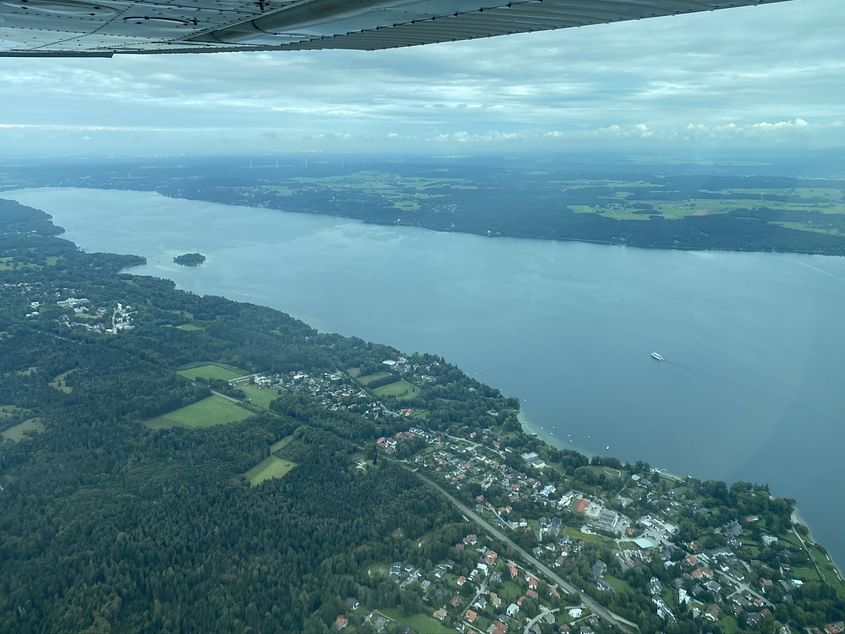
[[624, 624]]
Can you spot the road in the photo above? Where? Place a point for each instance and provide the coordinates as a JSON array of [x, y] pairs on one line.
[[744, 588], [623, 624], [227, 397]]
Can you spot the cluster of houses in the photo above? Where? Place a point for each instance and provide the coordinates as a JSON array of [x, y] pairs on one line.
[[389, 445], [80, 313], [709, 583]]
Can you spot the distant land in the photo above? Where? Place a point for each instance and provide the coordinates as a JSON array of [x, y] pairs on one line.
[[751, 205], [189, 259]]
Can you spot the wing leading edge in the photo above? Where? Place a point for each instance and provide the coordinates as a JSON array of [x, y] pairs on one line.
[[89, 28]]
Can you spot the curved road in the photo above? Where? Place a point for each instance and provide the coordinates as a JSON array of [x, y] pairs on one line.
[[623, 624]]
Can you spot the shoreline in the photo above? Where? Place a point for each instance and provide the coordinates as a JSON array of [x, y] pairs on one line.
[[530, 428], [560, 239], [526, 423], [797, 518]]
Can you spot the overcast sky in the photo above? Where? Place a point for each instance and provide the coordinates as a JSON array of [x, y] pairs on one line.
[[759, 77]]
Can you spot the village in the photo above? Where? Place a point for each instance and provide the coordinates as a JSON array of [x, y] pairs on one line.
[[604, 541], [360, 394], [62, 306], [608, 531]]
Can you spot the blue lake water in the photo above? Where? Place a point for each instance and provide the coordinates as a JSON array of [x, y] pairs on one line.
[[752, 388]]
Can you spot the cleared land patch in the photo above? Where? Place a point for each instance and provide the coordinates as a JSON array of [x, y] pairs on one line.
[[260, 396], [399, 389], [19, 432], [609, 472], [189, 327], [212, 371], [369, 378], [826, 200], [270, 467], [60, 382], [280, 443], [419, 622], [208, 412]]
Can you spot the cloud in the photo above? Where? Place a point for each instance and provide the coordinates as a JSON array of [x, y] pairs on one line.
[[766, 75]]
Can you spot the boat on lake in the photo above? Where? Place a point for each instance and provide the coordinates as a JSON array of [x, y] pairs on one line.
[[657, 356]]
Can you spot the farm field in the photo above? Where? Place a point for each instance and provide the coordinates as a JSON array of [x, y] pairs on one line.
[[260, 396], [370, 378], [208, 412], [20, 431], [212, 371], [270, 467], [189, 327], [418, 622], [399, 389]]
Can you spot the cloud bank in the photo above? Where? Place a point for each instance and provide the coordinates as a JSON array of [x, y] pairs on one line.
[[756, 77]]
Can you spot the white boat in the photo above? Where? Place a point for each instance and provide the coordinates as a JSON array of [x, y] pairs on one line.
[[657, 356]]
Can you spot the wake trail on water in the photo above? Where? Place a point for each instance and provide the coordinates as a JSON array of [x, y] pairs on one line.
[[684, 369], [817, 269]]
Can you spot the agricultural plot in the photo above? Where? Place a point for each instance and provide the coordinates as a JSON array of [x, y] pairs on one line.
[[399, 389], [270, 467], [212, 371], [208, 412], [280, 443], [419, 622], [260, 396], [20, 431], [370, 378], [826, 200]]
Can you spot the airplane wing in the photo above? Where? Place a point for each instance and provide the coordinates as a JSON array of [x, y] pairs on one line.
[[67, 28]]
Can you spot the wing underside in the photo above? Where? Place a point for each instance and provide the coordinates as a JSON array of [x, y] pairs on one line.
[[87, 27]]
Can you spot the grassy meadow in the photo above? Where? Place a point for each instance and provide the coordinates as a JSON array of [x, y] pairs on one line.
[[208, 412]]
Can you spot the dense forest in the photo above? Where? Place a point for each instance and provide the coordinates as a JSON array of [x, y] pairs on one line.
[[109, 526], [189, 259]]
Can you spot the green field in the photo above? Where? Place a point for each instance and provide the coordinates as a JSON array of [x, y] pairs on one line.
[[9, 264], [20, 431], [208, 412], [270, 467], [280, 443], [828, 570], [609, 472], [826, 200], [574, 533], [369, 378], [212, 371], [419, 622], [189, 327], [402, 192], [260, 396], [399, 389], [619, 585]]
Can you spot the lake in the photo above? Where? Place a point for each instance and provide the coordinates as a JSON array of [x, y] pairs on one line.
[[752, 386]]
